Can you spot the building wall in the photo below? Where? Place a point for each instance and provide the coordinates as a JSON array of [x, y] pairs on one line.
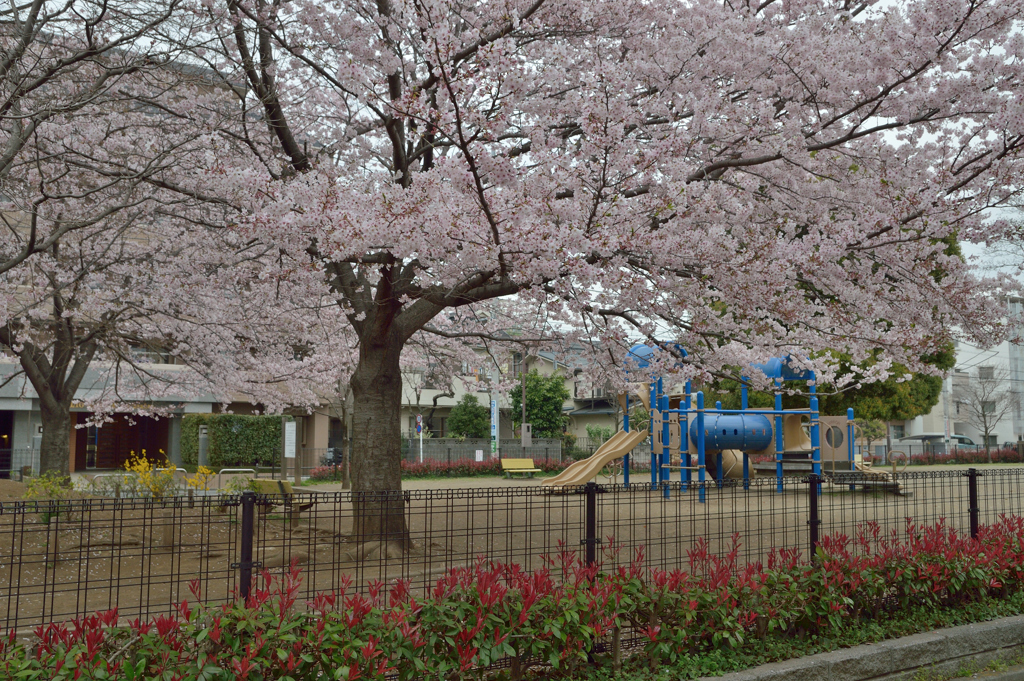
[[968, 360], [422, 403]]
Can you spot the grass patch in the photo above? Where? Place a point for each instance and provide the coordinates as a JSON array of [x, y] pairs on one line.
[[754, 653]]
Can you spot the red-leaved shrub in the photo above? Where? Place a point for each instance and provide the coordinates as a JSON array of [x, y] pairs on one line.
[[479, 614]]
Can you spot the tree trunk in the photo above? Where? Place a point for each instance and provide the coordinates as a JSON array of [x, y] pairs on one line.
[[378, 502], [55, 447]]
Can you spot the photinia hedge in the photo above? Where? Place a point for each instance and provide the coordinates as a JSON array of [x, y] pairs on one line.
[[548, 619], [235, 439]]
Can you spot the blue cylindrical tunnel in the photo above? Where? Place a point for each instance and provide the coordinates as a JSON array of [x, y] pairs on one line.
[[749, 432]]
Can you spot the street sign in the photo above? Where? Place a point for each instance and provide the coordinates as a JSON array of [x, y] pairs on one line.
[[419, 431]]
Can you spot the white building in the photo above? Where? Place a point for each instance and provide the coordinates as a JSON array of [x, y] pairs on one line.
[[1003, 365]]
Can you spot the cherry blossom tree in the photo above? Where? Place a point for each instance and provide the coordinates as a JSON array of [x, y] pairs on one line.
[[76, 92], [65, 68], [150, 312], [745, 179]]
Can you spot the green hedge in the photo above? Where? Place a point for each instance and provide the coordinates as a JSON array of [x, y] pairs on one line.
[[235, 440]]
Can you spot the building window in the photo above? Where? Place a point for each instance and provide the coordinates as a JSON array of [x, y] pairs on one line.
[[988, 407], [898, 432], [986, 373], [517, 364], [992, 441]]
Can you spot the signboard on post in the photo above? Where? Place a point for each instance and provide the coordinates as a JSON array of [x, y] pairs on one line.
[[289, 439], [419, 430], [494, 429]]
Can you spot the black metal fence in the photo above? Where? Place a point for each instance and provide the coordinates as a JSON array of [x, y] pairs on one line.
[[931, 454], [15, 462], [61, 560]]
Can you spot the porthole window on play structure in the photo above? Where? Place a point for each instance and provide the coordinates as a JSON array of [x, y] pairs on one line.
[[834, 437]]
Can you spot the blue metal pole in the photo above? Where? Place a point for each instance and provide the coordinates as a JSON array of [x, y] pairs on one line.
[[625, 459], [779, 441], [815, 440], [650, 429], [745, 404], [684, 441], [700, 443], [666, 455], [849, 442], [719, 475]]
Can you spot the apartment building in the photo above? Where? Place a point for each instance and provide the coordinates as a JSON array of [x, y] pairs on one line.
[[982, 379]]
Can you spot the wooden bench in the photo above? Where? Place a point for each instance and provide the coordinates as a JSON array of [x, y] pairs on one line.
[[510, 466], [284, 488]]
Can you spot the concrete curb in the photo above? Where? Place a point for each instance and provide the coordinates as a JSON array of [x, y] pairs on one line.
[[944, 651]]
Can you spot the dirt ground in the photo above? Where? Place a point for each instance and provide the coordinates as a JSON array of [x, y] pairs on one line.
[[141, 557], [11, 490]]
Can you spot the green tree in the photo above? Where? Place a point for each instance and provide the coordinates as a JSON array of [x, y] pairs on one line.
[[469, 418], [600, 433], [870, 430], [545, 396]]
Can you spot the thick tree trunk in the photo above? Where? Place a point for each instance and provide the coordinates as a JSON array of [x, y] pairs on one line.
[[55, 447], [378, 502]]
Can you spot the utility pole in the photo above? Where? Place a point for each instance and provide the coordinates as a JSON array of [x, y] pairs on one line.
[[522, 376], [946, 425]]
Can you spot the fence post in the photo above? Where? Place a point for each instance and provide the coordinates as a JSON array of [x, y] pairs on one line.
[[972, 500], [245, 564], [814, 521], [590, 523]]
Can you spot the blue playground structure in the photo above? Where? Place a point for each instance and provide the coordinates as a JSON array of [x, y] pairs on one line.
[[681, 428]]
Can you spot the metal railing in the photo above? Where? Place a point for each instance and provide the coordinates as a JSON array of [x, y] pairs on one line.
[[453, 449]]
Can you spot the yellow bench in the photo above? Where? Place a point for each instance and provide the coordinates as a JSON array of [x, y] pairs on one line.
[[284, 488], [510, 466], [272, 487]]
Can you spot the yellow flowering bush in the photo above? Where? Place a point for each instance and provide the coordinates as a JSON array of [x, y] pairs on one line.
[[51, 486], [146, 479], [201, 479]]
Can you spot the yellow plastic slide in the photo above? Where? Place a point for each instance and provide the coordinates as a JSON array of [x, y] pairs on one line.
[[584, 471]]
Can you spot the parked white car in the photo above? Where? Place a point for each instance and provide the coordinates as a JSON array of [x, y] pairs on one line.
[[938, 440]]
